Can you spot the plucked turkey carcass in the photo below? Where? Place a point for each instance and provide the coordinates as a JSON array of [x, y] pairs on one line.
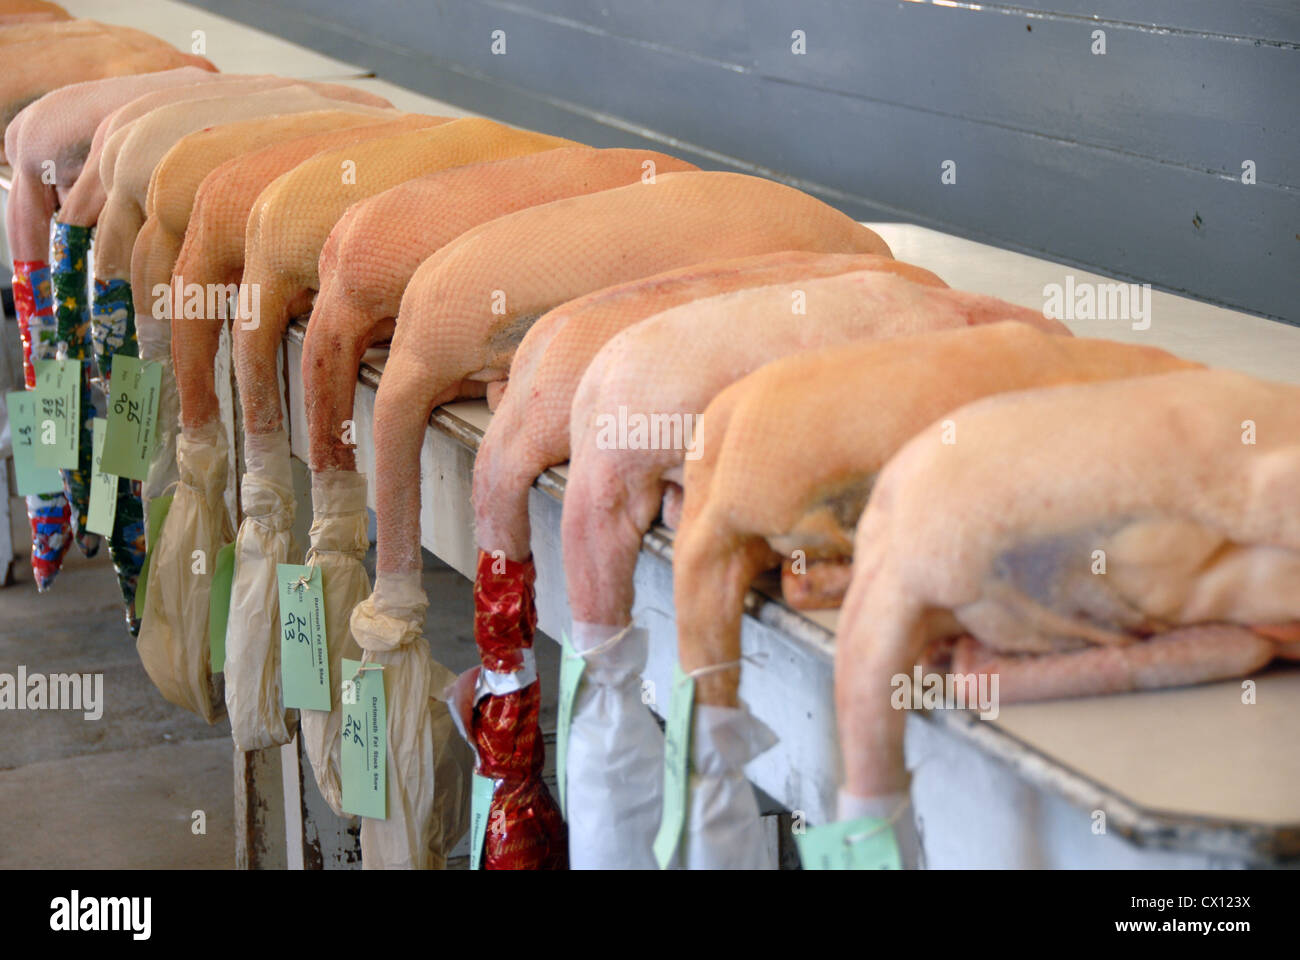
[[364, 267], [212, 253], [57, 129], [126, 165], [613, 787], [287, 229], [1182, 484], [461, 318], [791, 452], [88, 195], [173, 642], [181, 171], [634, 422], [45, 55]]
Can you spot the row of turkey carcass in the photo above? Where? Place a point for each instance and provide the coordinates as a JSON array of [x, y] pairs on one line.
[[719, 350]]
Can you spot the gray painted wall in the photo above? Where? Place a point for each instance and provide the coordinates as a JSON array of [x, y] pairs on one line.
[[1130, 162]]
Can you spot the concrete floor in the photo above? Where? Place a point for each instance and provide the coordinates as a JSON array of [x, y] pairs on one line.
[[121, 791]]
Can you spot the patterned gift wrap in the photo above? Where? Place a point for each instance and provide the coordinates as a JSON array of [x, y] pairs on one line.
[[48, 515], [112, 313], [69, 246], [112, 327], [126, 546]]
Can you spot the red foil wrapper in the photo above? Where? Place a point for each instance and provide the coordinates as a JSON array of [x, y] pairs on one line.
[[505, 616], [525, 829], [25, 307]]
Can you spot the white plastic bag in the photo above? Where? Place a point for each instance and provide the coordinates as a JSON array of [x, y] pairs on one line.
[[253, 698], [429, 763], [173, 641], [896, 807], [614, 790], [723, 826], [155, 341], [338, 546]]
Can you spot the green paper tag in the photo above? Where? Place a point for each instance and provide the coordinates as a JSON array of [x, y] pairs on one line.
[[158, 508], [223, 572], [132, 416], [867, 843], [304, 657], [571, 668], [103, 487], [58, 413], [677, 754], [364, 751], [480, 804], [22, 419]]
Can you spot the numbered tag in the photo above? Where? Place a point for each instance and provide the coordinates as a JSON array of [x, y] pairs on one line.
[[571, 669], [22, 420], [480, 806], [867, 843], [132, 416], [304, 657], [158, 508], [58, 413], [363, 754], [103, 487], [223, 572], [677, 767]]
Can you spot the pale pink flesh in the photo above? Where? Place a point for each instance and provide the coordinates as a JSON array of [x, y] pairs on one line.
[[530, 428], [1198, 530], [376, 247], [59, 128], [213, 250], [675, 363], [788, 460], [132, 154], [532, 261], [1186, 655], [177, 177], [293, 217], [87, 197]]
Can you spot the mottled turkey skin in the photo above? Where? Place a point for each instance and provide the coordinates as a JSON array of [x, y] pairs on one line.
[[468, 306], [213, 250], [133, 152], [138, 128], [293, 217], [529, 431], [58, 129], [474, 301], [672, 365], [995, 536], [126, 165], [812, 455], [376, 247], [178, 175], [88, 195], [46, 55]]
